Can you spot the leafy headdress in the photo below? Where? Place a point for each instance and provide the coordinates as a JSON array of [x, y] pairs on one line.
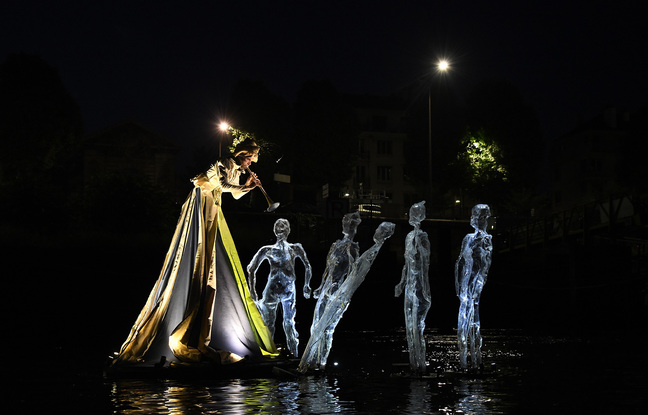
[[243, 144]]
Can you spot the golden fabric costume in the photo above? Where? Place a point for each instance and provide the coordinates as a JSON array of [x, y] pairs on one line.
[[200, 307]]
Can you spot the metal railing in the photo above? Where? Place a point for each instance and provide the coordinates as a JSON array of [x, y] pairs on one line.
[[579, 220]]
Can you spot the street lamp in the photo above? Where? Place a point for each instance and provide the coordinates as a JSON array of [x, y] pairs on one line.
[[223, 127], [441, 67]]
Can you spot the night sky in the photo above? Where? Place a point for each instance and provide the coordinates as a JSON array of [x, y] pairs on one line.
[[170, 65]]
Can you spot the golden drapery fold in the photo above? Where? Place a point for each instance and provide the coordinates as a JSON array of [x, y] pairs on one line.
[[261, 332], [178, 318]]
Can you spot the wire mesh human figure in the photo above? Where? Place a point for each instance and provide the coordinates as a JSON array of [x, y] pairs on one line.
[[471, 270], [416, 284], [341, 256], [280, 287], [315, 356]]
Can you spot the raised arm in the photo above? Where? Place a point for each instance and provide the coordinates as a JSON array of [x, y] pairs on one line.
[[229, 177]]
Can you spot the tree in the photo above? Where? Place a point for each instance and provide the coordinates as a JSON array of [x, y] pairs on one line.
[[498, 108], [39, 120], [482, 159], [510, 128], [40, 127]]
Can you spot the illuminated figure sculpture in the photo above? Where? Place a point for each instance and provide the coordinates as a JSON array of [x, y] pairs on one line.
[[471, 270], [416, 283], [341, 256], [200, 309], [315, 355], [280, 287]]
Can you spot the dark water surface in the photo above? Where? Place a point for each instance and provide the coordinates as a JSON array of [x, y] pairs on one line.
[[368, 374]]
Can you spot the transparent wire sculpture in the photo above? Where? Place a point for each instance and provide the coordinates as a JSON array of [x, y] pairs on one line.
[[416, 285], [280, 287], [319, 344], [471, 270]]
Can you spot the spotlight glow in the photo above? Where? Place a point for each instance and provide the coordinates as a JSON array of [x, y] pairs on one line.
[[223, 126]]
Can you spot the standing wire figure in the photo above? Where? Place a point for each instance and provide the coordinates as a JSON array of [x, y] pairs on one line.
[[415, 281], [280, 287], [341, 257], [471, 270], [322, 332]]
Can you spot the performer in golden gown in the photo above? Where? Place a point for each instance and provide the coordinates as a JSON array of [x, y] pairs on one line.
[[200, 308]]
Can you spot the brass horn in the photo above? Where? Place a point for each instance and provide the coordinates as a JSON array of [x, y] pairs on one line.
[[272, 206]]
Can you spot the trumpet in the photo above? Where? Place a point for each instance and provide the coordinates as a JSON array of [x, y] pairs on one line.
[[272, 206]]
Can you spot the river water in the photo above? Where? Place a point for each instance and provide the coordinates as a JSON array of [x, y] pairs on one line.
[[367, 374]]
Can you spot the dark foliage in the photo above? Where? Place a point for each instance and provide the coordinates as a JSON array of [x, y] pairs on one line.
[[39, 121]]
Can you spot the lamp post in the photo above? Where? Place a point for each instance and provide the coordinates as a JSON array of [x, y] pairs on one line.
[[223, 127], [441, 66]]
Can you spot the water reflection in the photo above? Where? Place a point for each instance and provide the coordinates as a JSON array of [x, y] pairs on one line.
[[523, 375], [268, 396], [419, 399], [320, 397], [363, 388], [472, 400]]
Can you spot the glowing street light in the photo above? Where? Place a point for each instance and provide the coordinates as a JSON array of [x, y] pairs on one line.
[[441, 66], [224, 128]]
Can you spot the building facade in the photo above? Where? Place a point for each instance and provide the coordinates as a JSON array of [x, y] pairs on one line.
[[585, 161], [130, 149], [378, 186]]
